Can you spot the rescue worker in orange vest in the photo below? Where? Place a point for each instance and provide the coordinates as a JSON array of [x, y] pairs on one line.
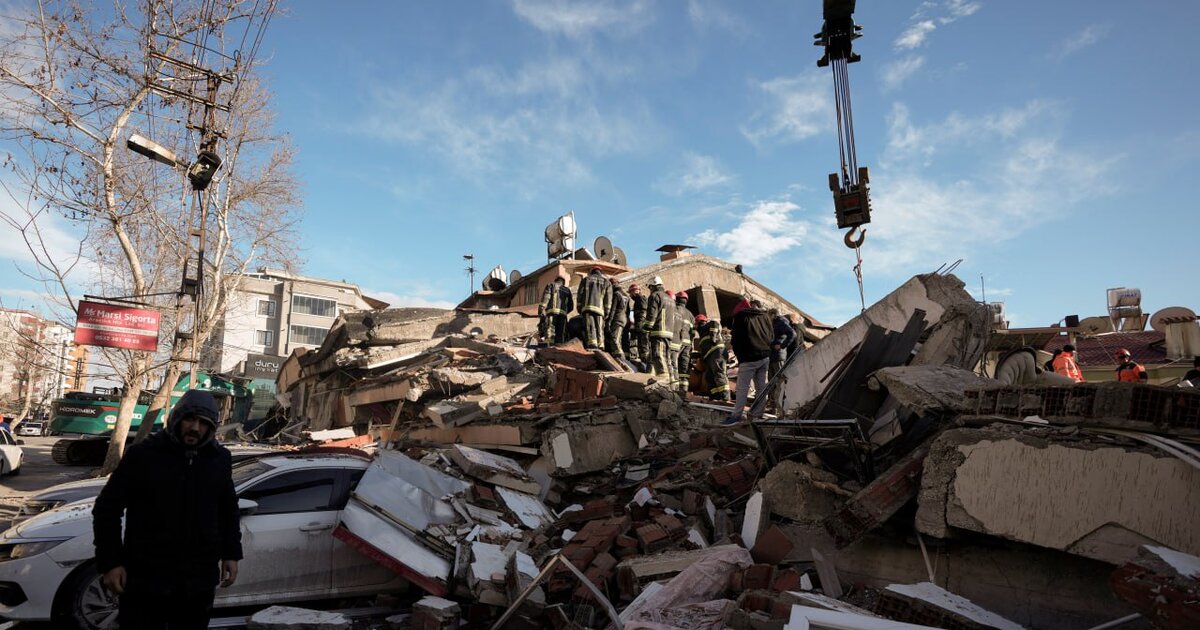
[[1065, 364], [1128, 370]]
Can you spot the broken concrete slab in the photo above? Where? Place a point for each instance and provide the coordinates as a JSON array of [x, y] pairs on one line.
[[526, 507], [929, 604], [465, 408], [494, 469], [800, 492], [633, 573], [576, 447], [804, 376], [1163, 585], [927, 388], [629, 385], [290, 618], [434, 613], [1074, 495], [1133, 406], [479, 436]]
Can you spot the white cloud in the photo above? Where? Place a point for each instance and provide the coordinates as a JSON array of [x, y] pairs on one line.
[[396, 300], [915, 35], [1089, 36], [577, 18], [907, 140], [698, 174], [766, 230], [561, 76], [706, 13], [956, 9], [899, 71], [792, 109]]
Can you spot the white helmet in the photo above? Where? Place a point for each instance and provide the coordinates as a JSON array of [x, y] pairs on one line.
[[656, 282]]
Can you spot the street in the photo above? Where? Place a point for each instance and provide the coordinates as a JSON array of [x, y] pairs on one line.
[[38, 472]]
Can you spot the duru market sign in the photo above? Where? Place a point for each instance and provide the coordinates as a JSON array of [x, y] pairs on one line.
[[262, 366], [113, 326]]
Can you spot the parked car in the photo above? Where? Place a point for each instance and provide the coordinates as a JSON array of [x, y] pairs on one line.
[[11, 454], [31, 428], [290, 505], [58, 496]]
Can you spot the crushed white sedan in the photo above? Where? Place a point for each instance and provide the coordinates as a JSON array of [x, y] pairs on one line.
[[290, 505]]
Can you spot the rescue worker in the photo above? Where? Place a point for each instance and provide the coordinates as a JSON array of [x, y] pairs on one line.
[[683, 332], [673, 358], [618, 319], [595, 299], [797, 345], [1128, 370], [639, 342], [753, 332], [711, 348], [659, 326], [552, 312], [1065, 364]]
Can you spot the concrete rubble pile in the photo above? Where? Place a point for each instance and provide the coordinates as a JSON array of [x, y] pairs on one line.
[[519, 486]]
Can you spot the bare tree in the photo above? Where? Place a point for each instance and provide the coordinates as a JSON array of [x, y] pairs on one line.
[[75, 83]]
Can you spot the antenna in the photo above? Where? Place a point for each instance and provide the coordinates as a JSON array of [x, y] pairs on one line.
[[470, 258]]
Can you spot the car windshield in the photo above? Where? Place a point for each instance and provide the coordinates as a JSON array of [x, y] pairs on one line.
[[249, 469]]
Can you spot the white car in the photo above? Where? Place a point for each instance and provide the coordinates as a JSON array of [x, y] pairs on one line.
[[10, 454], [31, 428], [290, 505]]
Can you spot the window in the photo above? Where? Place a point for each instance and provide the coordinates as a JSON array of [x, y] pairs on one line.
[[321, 307], [264, 337], [308, 335], [297, 491], [5, 439], [266, 307]]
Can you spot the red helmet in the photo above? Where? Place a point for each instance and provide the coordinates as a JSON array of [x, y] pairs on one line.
[[1122, 352], [597, 268], [670, 293], [701, 318], [682, 295]]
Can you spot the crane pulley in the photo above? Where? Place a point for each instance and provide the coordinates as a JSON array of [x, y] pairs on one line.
[[851, 194]]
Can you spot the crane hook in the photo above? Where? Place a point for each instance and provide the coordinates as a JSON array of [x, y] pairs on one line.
[[852, 242]]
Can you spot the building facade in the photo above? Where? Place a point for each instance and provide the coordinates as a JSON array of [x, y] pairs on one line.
[[39, 362], [271, 313]]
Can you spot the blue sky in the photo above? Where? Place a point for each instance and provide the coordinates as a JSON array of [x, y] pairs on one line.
[[1050, 145]]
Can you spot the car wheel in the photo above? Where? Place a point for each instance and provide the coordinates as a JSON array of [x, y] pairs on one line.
[[84, 603]]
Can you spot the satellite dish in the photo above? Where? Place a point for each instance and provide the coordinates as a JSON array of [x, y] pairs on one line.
[[1095, 325], [603, 248], [513, 276], [1160, 319], [618, 257]]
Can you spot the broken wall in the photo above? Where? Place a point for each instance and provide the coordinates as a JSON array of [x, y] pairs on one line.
[[1083, 497]]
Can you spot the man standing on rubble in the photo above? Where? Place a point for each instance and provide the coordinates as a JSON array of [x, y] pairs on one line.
[[618, 318], [1128, 370], [659, 326], [753, 333], [181, 532], [683, 332], [712, 352], [595, 300], [552, 311], [784, 336], [1065, 364], [639, 342], [797, 344]]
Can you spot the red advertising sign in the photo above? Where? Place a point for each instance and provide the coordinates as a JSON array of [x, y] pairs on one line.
[[116, 327]]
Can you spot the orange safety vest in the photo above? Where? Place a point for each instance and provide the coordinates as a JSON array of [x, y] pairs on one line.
[[1131, 373], [1065, 364]]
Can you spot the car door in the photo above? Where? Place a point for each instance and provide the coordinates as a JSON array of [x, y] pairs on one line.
[[287, 542], [9, 452], [353, 570]]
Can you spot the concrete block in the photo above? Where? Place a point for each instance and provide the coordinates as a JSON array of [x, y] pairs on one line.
[[931, 605], [1069, 494], [589, 446]]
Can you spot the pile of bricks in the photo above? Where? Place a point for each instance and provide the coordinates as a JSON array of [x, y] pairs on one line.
[[737, 478]]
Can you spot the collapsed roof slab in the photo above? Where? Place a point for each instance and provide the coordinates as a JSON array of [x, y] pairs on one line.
[[1067, 493], [937, 295]]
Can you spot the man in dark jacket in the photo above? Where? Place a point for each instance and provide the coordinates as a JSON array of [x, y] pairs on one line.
[[685, 321], [182, 535], [784, 335], [639, 341], [752, 335], [595, 300], [618, 318], [552, 310]]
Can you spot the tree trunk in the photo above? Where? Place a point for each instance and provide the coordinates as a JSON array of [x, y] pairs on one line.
[[129, 398], [161, 402]]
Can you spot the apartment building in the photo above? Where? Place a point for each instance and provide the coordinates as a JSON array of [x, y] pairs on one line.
[[38, 360]]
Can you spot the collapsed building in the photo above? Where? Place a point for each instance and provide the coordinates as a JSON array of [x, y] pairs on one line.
[[522, 486]]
